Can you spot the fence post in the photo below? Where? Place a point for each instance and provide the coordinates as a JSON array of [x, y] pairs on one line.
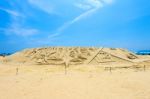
[[144, 67], [65, 69], [66, 66], [17, 71], [110, 70]]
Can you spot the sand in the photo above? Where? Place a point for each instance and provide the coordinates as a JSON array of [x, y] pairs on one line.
[[75, 73], [80, 82], [75, 56]]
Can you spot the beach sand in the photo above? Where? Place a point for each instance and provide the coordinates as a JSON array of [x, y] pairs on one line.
[[74, 73], [78, 82]]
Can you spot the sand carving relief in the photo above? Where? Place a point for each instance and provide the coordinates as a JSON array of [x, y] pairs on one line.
[[103, 57], [74, 55]]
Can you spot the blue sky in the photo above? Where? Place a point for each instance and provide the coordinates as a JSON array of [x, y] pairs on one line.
[[108, 23]]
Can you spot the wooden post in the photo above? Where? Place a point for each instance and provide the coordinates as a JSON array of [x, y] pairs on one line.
[[110, 70], [17, 70], [65, 69], [144, 67], [66, 66]]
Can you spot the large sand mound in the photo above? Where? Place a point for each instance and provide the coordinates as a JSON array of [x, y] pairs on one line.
[[73, 56]]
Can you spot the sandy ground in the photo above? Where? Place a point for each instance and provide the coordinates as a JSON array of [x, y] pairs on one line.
[[51, 82]]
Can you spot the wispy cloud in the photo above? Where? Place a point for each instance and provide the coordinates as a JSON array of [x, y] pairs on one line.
[[53, 35], [108, 1], [15, 26], [94, 5], [90, 7], [20, 31], [11, 12], [45, 5], [82, 6]]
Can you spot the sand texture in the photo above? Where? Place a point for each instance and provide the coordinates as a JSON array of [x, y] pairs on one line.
[[80, 82], [76, 56], [74, 73]]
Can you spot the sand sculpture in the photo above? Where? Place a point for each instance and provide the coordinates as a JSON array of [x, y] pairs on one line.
[[73, 56]]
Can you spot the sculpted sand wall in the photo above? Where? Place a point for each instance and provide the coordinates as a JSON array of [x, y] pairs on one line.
[[73, 56]]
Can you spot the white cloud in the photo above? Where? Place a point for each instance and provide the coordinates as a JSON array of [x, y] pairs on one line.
[[11, 12], [20, 31], [108, 1], [83, 6], [53, 35], [94, 5], [44, 5], [90, 7], [16, 24], [81, 16], [89, 4]]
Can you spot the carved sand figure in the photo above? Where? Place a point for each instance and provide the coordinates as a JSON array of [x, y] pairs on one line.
[[76, 56]]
